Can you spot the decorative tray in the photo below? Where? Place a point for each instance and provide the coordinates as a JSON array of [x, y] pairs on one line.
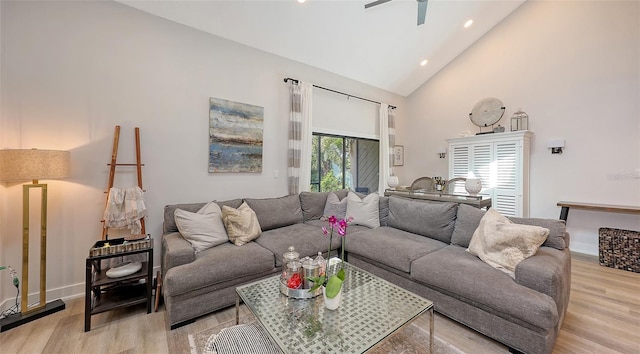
[[117, 245], [298, 293]]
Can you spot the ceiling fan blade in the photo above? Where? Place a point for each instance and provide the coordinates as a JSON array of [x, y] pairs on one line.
[[375, 3], [422, 11]]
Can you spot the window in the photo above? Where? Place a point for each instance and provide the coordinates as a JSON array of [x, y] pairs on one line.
[[339, 162]]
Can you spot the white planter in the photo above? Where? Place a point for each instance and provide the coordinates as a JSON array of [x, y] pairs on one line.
[[473, 186], [331, 304]]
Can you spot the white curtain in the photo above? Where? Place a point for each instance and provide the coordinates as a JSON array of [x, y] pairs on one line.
[[387, 140], [300, 131]]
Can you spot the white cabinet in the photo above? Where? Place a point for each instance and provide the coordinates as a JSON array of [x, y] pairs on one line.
[[501, 160]]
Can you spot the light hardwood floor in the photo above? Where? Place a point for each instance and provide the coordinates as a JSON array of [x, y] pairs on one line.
[[603, 317]]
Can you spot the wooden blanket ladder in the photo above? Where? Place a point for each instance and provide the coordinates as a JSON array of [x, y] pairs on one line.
[[112, 170]]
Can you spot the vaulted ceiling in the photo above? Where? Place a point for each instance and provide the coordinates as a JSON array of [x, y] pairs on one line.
[[381, 46]]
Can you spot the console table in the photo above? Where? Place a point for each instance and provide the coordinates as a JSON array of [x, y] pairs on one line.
[[475, 201], [564, 212]]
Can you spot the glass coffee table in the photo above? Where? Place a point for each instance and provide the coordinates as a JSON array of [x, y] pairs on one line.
[[371, 309]]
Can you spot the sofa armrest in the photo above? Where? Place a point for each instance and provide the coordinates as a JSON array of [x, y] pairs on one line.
[[176, 250], [548, 272]]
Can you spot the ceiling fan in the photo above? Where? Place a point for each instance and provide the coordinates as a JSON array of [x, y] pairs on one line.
[[422, 8]]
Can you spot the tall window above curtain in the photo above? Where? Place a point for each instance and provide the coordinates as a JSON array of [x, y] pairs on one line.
[[339, 162]]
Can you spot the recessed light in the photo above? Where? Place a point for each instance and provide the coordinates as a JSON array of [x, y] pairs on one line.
[[468, 23], [424, 62], [301, 1]]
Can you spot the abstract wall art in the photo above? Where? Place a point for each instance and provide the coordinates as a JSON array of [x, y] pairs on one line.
[[235, 136]]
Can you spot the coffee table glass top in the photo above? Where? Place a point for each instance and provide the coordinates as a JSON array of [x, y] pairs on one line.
[[371, 309]]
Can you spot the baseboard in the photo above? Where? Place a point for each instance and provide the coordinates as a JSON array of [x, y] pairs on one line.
[[585, 257]]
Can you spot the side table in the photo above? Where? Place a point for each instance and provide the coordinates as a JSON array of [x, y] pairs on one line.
[[105, 294]]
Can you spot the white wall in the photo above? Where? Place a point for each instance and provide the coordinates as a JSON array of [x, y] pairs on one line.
[[71, 71], [574, 67]]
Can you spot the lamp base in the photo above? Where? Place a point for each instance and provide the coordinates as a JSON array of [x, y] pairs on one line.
[[19, 319]]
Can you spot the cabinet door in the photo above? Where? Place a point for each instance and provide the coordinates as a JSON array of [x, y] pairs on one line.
[[459, 161], [506, 195], [481, 167]]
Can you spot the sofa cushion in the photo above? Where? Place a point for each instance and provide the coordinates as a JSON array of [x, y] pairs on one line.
[[503, 244], [307, 239], [364, 211], [341, 193], [276, 212], [242, 224], [312, 205], [557, 230], [384, 210], [432, 219], [169, 224], [469, 218], [202, 230], [391, 247], [217, 265], [335, 207], [457, 273], [175, 251], [467, 221]]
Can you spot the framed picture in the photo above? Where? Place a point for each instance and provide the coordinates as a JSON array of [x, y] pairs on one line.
[[235, 136], [398, 155]]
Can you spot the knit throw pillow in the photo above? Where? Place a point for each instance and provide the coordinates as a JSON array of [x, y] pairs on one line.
[[242, 224], [502, 244]]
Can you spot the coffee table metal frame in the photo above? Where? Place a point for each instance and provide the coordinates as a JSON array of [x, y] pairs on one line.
[[371, 310]]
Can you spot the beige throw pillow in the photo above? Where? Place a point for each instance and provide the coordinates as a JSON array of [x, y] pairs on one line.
[[242, 224], [203, 229], [364, 211], [502, 244]]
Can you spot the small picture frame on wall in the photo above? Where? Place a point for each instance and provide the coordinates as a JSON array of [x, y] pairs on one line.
[[398, 155]]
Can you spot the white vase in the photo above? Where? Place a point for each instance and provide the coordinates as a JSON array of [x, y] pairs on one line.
[[473, 186], [334, 303], [393, 182]]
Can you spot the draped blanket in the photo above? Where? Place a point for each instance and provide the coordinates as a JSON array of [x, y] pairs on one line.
[[125, 208]]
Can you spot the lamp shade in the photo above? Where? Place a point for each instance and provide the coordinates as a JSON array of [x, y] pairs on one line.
[[33, 164]]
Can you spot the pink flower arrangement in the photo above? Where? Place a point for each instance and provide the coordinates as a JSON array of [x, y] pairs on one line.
[[333, 283]]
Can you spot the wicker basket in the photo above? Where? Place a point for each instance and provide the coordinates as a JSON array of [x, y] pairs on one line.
[[619, 249]]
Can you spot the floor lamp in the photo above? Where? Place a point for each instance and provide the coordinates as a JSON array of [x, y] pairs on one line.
[[23, 165]]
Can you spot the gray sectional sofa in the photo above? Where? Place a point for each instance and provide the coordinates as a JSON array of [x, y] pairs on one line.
[[420, 246]]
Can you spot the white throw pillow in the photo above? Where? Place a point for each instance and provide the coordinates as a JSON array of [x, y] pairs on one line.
[[503, 244], [335, 206], [211, 208], [203, 229], [363, 211]]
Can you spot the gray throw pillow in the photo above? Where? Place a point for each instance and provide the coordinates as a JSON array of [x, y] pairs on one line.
[[335, 206], [364, 211]]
